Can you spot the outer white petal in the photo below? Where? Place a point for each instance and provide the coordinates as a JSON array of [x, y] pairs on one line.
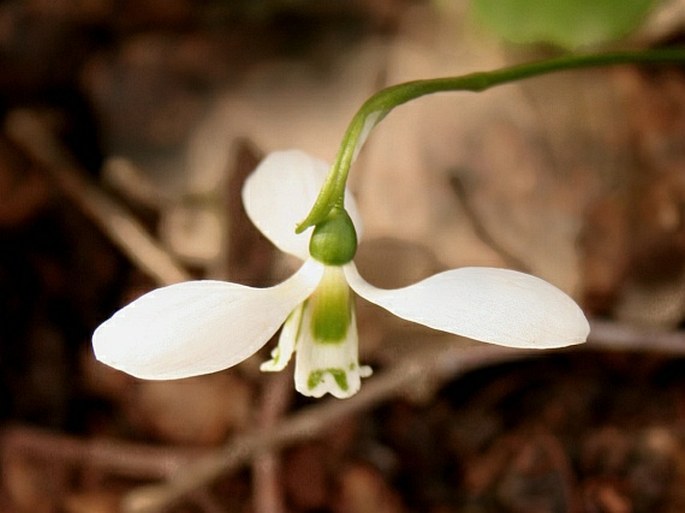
[[198, 327], [280, 193], [498, 306]]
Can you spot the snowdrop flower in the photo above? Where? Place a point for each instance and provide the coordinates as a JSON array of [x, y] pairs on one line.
[[199, 327]]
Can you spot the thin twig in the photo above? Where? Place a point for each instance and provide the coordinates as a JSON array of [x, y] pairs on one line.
[[266, 465], [188, 470], [437, 362], [26, 129], [109, 456], [614, 336]]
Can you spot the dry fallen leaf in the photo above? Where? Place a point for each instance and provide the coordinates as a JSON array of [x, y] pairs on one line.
[[194, 411]]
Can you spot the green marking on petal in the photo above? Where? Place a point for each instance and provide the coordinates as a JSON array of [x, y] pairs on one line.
[[331, 308], [315, 378], [339, 375]]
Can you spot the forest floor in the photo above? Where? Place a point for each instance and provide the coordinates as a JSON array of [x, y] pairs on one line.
[[128, 130]]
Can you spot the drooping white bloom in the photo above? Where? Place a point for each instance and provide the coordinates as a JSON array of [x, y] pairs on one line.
[[200, 327]]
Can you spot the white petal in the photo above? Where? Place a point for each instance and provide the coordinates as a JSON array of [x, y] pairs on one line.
[[281, 354], [198, 327], [325, 367], [280, 193], [498, 306]]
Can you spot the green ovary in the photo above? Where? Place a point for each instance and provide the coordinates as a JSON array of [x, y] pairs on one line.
[[334, 240], [331, 307]]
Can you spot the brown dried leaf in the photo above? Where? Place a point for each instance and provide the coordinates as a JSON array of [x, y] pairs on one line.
[[196, 411], [362, 489]]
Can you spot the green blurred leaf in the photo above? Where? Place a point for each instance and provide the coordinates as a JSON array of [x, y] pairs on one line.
[[567, 23]]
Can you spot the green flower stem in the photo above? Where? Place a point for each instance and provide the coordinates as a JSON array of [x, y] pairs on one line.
[[381, 103]]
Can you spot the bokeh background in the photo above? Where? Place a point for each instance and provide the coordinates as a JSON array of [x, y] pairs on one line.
[[128, 128]]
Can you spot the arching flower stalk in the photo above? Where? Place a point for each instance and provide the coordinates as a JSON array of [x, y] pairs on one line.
[[199, 327]]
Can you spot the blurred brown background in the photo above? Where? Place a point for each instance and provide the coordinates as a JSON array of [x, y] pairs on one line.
[[128, 128]]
